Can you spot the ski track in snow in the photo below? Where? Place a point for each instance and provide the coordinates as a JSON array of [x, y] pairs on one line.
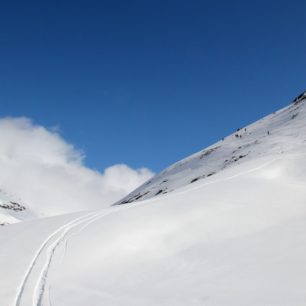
[[49, 247]]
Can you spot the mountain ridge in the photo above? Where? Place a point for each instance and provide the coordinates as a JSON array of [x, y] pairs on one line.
[[239, 146]]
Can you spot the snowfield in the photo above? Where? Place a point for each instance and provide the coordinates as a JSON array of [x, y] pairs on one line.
[[225, 226]]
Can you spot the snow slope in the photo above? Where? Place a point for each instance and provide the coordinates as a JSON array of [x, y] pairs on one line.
[[281, 132], [237, 237]]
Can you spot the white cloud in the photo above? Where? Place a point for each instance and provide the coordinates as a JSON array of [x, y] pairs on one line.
[[48, 174]]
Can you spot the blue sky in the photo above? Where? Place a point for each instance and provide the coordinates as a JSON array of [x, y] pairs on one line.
[[149, 82]]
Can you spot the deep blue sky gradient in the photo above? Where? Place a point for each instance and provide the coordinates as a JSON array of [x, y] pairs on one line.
[[149, 82]]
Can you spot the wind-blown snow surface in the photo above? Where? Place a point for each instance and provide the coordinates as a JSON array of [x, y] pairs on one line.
[[237, 237]]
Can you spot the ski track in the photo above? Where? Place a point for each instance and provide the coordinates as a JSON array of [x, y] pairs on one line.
[[49, 248]]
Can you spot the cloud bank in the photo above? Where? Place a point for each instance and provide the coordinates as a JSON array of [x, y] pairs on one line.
[[48, 174]]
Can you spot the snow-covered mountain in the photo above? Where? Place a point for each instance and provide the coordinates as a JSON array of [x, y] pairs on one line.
[[281, 132], [12, 209], [225, 226]]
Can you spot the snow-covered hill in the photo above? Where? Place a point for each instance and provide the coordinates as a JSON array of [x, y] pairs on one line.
[[281, 132], [12, 209], [226, 226]]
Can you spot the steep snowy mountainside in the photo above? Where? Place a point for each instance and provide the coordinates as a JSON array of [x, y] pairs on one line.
[[281, 132], [12, 209]]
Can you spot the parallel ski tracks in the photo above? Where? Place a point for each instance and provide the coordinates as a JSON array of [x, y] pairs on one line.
[[48, 249]]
